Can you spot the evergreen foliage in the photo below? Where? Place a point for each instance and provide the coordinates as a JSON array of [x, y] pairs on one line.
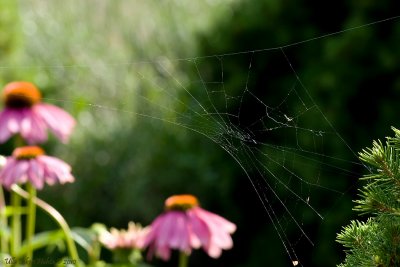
[[376, 242]]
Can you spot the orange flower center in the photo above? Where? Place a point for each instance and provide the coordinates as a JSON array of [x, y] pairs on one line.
[[181, 202], [27, 152], [21, 94]]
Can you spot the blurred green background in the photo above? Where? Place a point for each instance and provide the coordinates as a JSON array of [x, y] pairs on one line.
[[137, 76]]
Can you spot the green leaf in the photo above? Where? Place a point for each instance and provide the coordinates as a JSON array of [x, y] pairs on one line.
[[45, 239], [84, 237]]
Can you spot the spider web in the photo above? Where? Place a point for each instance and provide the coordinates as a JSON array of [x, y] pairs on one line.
[[285, 157]]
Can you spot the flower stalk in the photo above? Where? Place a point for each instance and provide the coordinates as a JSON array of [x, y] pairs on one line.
[[30, 226], [3, 222], [183, 259], [15, 223]]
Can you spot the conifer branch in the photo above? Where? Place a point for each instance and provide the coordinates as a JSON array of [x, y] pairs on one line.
[[376, 242]]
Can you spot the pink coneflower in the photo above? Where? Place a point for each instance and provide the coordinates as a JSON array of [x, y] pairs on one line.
[[124, 239], [184, 225], [24, 113], [30, 164]]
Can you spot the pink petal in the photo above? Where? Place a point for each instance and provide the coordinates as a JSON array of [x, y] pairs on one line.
[[33, 128], [35, 174], [199, 229], [179, 233], [218, 220], [6, 174], [59, 121], [151, 237], [153, 232], [14, 120], [9, 123], [21, 171], [164, 252], [221, 239], [18, 174], [163, 235], [214, 251], [5, 132], [194, 239], [219, 229], [150, 253], [55, 170], [166, 227], [38, 171], [108, 240], [24, 121]]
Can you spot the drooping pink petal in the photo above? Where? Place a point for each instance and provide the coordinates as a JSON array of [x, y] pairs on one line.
[[18, 174], [199, 229], [218, 220], [39, 170], [184, 226], [213, 250], [6, 174], [35, 174], [220, 238], [166, 228], [219, 229], [55, 170], [153, 232], [9, 123], [157, 238], [32, 123], [14, 120], [164, 252], [150, 252], [32, 127], [59, 121], [5, 132], [22, 120], [179, 236]]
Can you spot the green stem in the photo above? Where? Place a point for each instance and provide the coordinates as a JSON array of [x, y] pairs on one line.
[[73, 252], [15, 223], [3, 222], [30, 225], [16, 211], [183, 259]]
